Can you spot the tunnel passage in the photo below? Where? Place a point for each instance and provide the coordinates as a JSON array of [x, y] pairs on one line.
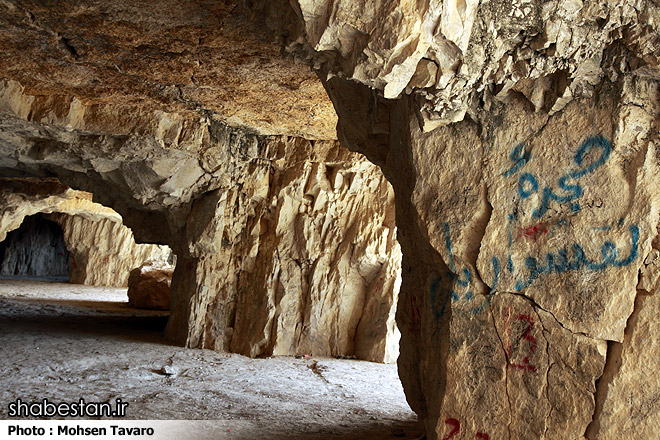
[[35, 249]]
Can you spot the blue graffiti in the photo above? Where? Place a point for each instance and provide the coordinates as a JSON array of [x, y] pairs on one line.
[[560, 262], [563, 260], [570, 191], [437, 295], [566, 259], [509, 239], [453, 279], [520, 155]]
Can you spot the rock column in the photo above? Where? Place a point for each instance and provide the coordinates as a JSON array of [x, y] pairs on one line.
[[297, 255], [521, 141], [523, 235]]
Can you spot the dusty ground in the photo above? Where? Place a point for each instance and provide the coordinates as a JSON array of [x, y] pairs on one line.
[[63, 342]]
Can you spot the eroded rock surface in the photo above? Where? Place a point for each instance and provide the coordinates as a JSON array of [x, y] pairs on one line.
[[284, 245], [104, 251], [142, 67], [630, 393], [298, 256], [524, 257], [458, 56], [521, 140]]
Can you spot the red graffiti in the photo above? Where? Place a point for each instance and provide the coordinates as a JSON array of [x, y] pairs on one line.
[[525, 365], [456, 428], [533, 232], [455, 424]]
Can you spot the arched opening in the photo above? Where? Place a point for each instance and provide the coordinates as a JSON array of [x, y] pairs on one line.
[[35, 250], [303, 270], [312, 393]]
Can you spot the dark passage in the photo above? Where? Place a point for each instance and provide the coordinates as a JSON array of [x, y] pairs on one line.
[[36, 249]]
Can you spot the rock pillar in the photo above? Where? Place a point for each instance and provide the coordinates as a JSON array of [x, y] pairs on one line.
[[522, 311], [297, 255], [521, 141]]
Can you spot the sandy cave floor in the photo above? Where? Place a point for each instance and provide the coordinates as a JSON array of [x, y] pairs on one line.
[[64, 341]]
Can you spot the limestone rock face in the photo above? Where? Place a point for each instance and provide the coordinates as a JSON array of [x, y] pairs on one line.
[[523, 237], [22, 197], [298, 256], [156, 109], [459, 55], [283, 245], [149, 286], [630, 406], [104, 251], [521, 141]]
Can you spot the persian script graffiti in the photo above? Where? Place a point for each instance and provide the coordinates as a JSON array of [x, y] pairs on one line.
[[591, 155], [569, 188], [462, 284], [560, 261]]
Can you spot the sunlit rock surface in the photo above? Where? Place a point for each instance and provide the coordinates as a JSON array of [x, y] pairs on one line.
[[297, 256], [104, 251], [284, 245], [462, 55]]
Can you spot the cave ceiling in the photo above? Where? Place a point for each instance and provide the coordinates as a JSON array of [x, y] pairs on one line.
[[124, 60]]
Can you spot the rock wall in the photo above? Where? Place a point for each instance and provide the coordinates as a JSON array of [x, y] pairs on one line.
[[283, 245], [521, 140], [297, 256], [536, 234], [102, 250], [22, 197], [36, 249]]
